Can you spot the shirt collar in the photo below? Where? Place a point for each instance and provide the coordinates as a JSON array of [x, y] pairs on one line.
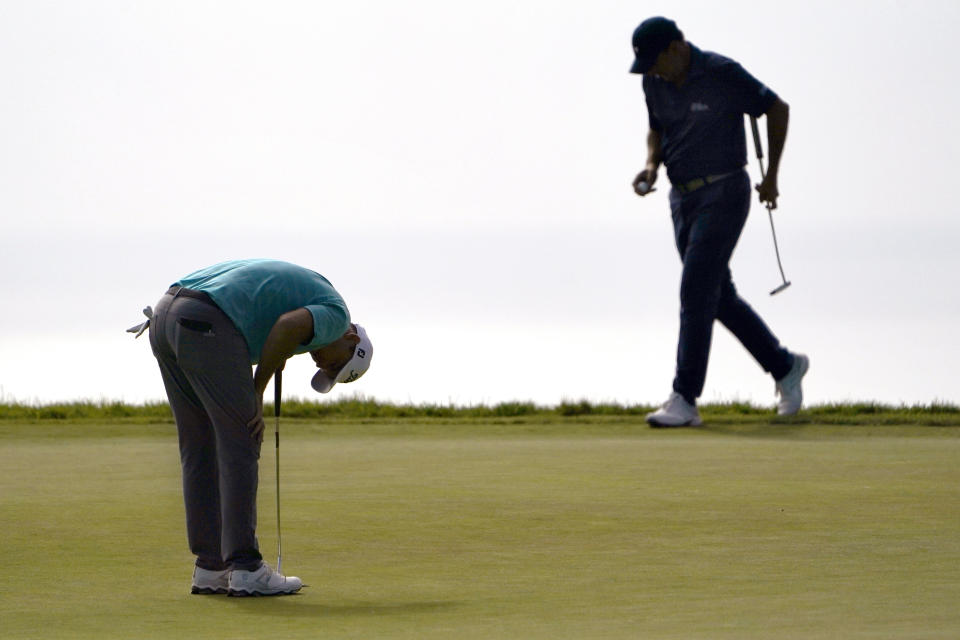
[[696, 62]]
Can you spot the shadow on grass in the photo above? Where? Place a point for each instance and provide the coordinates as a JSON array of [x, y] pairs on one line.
[[773, 430], [301, 605], [803, 427]]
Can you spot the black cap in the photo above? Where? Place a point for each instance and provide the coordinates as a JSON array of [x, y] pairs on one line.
[[649, 39]]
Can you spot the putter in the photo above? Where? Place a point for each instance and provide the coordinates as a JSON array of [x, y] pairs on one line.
[[277, 385], [763, 175]]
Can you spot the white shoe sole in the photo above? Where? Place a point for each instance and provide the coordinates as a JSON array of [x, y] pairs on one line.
[[259, 594], [653, 421]]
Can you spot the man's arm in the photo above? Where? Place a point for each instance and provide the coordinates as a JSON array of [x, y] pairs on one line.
[[778, 117], [654, 157], [291, 330]]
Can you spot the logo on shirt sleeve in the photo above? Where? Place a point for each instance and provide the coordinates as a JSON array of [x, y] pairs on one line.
[[699, 107]]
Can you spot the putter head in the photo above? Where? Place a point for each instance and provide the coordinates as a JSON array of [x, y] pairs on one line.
[[780, 288]]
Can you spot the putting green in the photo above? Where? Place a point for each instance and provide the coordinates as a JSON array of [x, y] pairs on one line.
[[515, 529]]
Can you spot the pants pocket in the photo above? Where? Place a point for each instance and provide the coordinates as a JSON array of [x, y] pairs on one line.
[[199, 326], [196, 344]]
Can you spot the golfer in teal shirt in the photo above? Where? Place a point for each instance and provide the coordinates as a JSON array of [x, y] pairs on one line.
[[254, 293], [206, 331]]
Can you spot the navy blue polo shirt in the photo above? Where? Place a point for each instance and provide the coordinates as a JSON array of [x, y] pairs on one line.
[[701, 123]]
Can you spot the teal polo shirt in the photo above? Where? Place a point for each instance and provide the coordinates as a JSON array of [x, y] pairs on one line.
[[254, 293]]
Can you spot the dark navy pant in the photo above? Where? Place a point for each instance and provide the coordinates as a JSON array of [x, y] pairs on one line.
[[707, 224], [206, 371]]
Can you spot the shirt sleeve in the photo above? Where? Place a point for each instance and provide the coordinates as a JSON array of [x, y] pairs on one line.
[[329, 323], [749, 94]]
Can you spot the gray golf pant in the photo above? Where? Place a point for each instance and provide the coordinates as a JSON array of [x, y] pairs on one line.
[[206, 371]]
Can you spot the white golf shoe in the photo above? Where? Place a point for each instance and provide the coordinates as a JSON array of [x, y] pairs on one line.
[[675, 412], [208, 582], [262, 582], [789, 386]]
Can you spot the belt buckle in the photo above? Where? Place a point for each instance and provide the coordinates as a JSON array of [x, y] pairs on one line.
[[693, 185]]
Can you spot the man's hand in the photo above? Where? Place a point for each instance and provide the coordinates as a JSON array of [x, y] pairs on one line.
[[643, 183], [768, 191], [257, 426]]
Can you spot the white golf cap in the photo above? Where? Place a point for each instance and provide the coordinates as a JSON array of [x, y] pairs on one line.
[[357, 366]]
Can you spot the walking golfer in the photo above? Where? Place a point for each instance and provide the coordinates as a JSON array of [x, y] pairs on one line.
[[696, 101], [206, 331]]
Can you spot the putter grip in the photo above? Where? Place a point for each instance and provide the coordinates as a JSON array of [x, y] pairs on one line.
[[756, 137], [277, 385]]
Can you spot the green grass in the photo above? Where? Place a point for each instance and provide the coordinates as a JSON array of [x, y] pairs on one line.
[[361, 408], [530, 526]]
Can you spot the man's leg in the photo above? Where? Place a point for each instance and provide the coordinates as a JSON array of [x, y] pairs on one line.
[[707, 224], [214, 358], [238, 460], [198, 451], [744, 323]]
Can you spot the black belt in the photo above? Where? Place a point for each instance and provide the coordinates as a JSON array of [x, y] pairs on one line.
[[177, 290], [696, 183]]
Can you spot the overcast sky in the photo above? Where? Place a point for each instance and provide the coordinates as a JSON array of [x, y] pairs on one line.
[[461, 173]]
